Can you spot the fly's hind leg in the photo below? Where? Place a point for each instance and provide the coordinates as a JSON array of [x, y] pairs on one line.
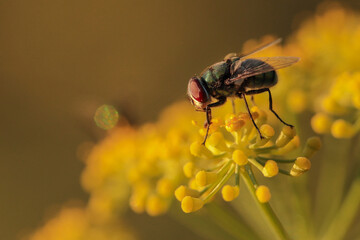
[[252, 92]]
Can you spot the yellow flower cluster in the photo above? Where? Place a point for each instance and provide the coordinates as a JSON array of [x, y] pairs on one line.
[[144, 163], [77, 224], [340, 108], [233, 149], [326, 80]]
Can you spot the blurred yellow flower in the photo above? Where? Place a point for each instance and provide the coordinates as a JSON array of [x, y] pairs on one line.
[[77, 224]]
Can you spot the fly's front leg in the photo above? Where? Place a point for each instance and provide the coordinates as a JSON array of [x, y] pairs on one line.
[[220, 101], [242, 95]]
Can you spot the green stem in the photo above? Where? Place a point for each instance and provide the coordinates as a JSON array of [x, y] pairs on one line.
[[266, 209], [346, 214], [276, 159], [230, 223], [219, 184]]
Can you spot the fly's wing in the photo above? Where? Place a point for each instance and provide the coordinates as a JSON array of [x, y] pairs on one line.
[[255, 66], [259, 48]]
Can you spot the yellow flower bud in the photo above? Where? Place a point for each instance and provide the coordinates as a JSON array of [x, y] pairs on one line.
[[184, 191], [270, 169], [321, 123], [216, 143], [189, 169], [342, 129], [199, 150], [239, 157], [263, 194], [229, 193], [204, 178], [301, 165], [286, 134], [292, 145], [312, 145], [267, 131], [190, 204]]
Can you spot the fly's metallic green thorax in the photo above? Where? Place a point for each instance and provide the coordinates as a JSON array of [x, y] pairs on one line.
[[218, 72], [215, 72]]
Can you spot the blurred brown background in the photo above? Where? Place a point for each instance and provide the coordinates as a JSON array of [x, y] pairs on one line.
[[61, 59]]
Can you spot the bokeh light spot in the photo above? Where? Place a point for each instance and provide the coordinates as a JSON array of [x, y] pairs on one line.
[[106, 117]]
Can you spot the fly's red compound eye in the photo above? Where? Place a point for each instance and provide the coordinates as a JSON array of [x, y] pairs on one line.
[[196, 91]]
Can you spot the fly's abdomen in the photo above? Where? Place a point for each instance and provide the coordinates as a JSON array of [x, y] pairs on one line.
[[263, 80]]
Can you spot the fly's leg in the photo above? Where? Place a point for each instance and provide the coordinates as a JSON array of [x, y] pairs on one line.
[[252, 92], [242, 95], [220, 101], [272, 110]]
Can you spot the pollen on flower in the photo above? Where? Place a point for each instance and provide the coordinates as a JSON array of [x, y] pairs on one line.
[[229, 193], [191, 204], [263, 194]]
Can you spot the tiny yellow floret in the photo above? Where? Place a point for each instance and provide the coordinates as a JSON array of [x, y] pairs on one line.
[[263, 194], [313, 144], [321, 123], [229, 193], [189, 169], [204, 178], [216, 142], [267, 131], [190, 204], [286, 135], [184, 191], [199, 150], [240, 158], [270, 169], [301, 165], [342, 129]]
